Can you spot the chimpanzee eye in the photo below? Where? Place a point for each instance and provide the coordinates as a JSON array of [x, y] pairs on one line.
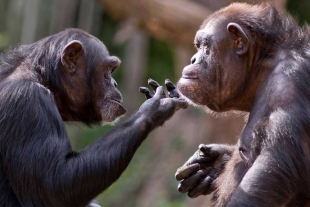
[[107, 75], [206, 50], [111, 69]]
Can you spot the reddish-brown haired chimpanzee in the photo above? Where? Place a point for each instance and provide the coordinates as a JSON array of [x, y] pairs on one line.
[[252, 58], [66, 77]]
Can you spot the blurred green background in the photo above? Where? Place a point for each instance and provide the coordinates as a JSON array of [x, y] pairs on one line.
[[153, 38]]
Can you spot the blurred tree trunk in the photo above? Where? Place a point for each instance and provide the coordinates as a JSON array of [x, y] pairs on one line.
[[173, 20], [14, 21], [86, 15], [44, 21], [63, 16], [3, 10], [89, 18], [135, 64], [30, 21]]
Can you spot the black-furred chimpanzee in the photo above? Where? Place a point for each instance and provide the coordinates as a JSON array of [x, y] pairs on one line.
[[66, 77], [256, 59]]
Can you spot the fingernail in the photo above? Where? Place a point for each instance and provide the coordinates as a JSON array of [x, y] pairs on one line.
[[202, 147]]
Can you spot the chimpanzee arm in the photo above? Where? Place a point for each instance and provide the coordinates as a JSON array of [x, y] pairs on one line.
[[278, 175], [40, 165], [263, 185]]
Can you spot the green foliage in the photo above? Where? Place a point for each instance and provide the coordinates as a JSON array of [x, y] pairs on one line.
[[299, 9], [125, 190], [163, 201], [161, 62], [4, 40], [109, 29]]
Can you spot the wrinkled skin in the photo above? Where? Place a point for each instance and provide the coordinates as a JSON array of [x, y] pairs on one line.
[[248, 59], [202, 169]]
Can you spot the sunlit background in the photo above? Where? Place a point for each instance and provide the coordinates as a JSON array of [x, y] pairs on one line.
[[154, 39]]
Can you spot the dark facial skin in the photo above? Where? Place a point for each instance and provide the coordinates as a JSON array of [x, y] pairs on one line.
[[218, 76], [108, 97]]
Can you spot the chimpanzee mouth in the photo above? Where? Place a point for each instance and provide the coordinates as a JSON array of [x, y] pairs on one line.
[[118, 101], [191, 77]]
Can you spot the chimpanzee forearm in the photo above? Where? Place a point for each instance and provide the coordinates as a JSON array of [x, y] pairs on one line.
[[265, 174], [103, 161], [67, 77], [53, 174], [96, 167]]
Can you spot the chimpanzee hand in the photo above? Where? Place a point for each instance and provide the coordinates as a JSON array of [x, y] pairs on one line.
[[172, 90], [158, 108], [199, 173]]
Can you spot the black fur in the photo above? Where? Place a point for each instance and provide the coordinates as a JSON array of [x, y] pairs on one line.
[[279, 166], [273, 166], [37, 164]]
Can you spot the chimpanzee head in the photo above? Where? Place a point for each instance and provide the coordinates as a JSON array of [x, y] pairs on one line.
[[221, 75], [78, 71]]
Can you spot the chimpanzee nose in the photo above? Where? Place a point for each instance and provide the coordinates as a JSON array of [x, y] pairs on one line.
[[113, 82], [197, 58]]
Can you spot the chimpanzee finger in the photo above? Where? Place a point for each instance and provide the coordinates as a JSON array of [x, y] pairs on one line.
[[154, 85], [170, 85], [211, 188], [172, 91], [198, 157], [148, 94], [211, 150], [180, 104], [186, 170], [188, 183], [158, 93], [201, 188]]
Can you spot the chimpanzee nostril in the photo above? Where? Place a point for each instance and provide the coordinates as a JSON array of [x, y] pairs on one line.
[[193, 60], [197, 58], [113, 82]]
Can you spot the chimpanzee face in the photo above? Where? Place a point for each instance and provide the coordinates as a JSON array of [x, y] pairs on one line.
[[217, 71], [107, 97], [89, 85]]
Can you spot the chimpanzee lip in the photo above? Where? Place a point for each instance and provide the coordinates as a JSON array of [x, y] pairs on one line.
[[189, 77], [116, 100]]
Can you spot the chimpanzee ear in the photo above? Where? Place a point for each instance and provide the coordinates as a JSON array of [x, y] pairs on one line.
[[71, 54], [241, 39]]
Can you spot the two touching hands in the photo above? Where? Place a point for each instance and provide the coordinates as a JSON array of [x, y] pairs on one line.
[[158, 107], [198, 175]]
